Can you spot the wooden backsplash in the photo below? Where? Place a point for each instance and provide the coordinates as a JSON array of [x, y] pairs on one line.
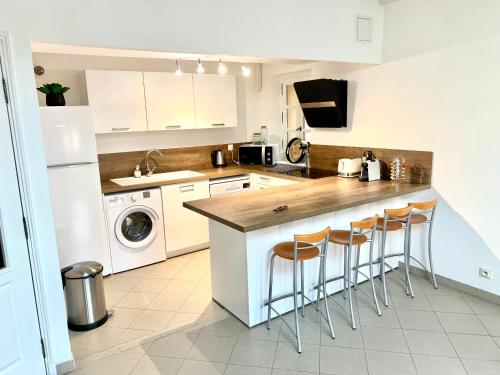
[[419, 163], [122, 164]]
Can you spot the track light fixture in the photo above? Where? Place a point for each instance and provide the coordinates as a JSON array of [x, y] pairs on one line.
[[222, 68], [200, 69], [245, 70], [178, 71]]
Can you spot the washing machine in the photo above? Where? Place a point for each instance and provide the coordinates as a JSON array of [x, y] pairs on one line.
[[135, 228]]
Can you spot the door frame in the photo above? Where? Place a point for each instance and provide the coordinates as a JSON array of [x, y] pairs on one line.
[[34, 252]]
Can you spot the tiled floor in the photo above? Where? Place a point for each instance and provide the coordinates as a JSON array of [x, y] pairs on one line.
[[442, 331]]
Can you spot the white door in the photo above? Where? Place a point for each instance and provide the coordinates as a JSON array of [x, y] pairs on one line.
[[185, 230], [20, 345], [117, 101], [169, 101], [215, 101]]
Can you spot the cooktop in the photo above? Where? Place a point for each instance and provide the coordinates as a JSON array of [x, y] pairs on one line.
[[300, 171]]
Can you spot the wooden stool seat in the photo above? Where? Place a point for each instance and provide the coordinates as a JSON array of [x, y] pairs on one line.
[[390, 227], [285, 250], [418, 219], [341, 237]]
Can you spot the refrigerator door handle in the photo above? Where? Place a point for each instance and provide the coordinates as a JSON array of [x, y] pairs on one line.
[[71, 164]]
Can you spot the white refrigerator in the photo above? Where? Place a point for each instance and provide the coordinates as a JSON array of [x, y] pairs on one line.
[[77, 204]]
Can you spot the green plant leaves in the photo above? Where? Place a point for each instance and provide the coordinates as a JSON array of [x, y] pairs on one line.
[[53, 88]]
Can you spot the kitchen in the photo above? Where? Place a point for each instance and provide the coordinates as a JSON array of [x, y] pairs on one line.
[[187, 177]]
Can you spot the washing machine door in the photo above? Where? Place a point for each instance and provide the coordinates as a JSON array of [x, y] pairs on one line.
[[136, 227]]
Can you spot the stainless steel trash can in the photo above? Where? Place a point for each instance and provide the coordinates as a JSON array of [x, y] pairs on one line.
[[84, 292]]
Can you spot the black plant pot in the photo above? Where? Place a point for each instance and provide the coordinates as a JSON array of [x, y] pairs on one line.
[[54, 100]]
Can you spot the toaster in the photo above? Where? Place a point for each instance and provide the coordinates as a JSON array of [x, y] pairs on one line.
[[349, 167]]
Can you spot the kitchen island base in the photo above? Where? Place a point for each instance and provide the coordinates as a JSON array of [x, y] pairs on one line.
[[240, 261]]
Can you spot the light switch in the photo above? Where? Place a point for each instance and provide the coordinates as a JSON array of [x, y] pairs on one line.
[[364, 29]]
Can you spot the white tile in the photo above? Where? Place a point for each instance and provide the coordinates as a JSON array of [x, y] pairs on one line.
[[151, 285], [123, 317], [190, 367], [183, 319], [481, 367], [124, 284], [117, 364], [212, 348], [184, 287], [461, 323], [191, 274], [198, 305], [385, 339], [253, 353], [167, 302], [429, 343], [288, 358], [386, 363], [113, 297], [225, 327], [136, 300], [176, 345], [342, 361], [152, 320], [475, 347], [481, 306], [492, 323], [246, 370], [454, 304], [150, 365], [427, 365]]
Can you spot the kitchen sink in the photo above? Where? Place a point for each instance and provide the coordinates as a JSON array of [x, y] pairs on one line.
[[158, 177]]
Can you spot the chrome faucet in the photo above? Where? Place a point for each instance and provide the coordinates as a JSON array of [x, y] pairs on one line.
[[148, 169]]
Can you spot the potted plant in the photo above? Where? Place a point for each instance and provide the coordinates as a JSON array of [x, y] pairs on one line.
[[54, 93]]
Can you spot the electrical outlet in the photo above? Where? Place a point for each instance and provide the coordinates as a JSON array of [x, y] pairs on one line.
[[485, 272], [230, 147]]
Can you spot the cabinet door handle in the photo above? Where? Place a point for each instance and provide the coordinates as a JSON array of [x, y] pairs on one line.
[[186, 188], [219, 124], [172, 126], [264, 178], [120, 129]]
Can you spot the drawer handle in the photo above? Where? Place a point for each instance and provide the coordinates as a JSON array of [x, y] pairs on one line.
[[172, 126], [120, 129], [186, 188], [219, 124]]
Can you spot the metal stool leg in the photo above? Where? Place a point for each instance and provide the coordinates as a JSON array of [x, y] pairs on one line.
[[297, 329], [302, 286], [319, 284], [429, 249], [325, 299], [349, 293], [356, 272], [382, 268], [345, 272], [271, 271], [409, 288], [371, 279]]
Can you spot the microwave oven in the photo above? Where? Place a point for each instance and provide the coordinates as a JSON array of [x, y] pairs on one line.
[[258, 154]]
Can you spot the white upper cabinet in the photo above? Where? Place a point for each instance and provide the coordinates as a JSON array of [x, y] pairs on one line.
[[117, 101], [169, 101], [215, 101]]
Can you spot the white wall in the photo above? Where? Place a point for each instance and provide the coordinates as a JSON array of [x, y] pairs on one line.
[[437, 92], [69, 71]]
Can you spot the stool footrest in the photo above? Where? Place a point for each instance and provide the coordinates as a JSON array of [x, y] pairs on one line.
[[283, 296]]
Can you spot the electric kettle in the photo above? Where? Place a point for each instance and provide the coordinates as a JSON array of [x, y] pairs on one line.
[[218, 158]]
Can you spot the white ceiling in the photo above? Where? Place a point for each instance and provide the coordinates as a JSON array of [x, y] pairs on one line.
[[115, 52]]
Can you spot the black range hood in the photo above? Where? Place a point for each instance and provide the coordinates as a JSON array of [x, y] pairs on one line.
[[324, 102]]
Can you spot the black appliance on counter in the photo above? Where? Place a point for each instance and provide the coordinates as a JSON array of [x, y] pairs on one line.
[[300, 171], [324, 102]]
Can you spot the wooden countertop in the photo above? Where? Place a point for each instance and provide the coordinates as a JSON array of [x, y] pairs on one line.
[[249, 211], [108, 187]]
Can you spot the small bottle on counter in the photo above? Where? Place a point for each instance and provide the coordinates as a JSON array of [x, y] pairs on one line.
[[137, 171]]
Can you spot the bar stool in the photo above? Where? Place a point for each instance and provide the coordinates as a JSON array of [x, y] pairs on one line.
[[424, 215], [361, 232], [395, 220], [304, 247]]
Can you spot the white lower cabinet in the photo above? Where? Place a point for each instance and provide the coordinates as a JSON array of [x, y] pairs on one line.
[[185, 230], [260, 181]]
